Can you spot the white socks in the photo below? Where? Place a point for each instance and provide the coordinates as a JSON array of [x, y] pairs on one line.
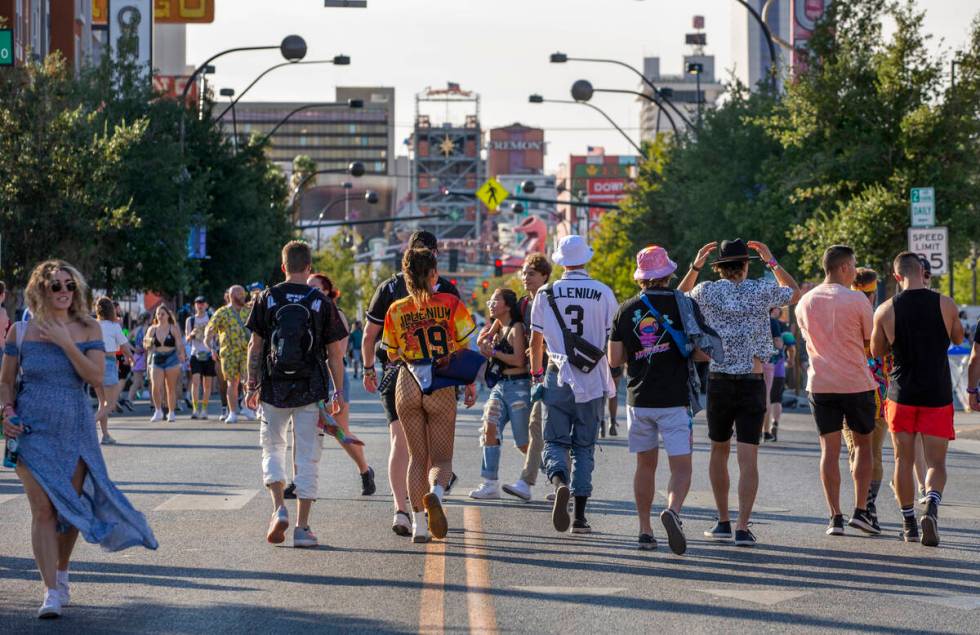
[[62, 577], [438, 490]]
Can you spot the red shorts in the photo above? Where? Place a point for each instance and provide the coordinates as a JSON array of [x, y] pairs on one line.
[[936, 422]]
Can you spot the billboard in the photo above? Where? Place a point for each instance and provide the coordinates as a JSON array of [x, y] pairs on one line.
[[601, 178], [515, 149], [172, 86], [131, 31], [165, 11], [806, 14]]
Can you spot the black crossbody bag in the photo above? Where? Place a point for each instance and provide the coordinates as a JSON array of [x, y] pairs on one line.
[[580, 352]]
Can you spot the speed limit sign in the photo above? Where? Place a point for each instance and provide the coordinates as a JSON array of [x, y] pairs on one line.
[[931, 243]]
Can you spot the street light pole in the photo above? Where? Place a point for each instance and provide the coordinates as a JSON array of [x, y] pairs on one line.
[[338, 60], [582, 91], [350, 103], [696, 68], [229, 93], [370, 196], [538, 99], [773, 69], [561, 58]]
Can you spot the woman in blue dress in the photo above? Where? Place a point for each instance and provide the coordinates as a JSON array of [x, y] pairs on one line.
[[60, 462]]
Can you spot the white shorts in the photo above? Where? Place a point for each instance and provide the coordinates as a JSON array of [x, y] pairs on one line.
[[675, 425]]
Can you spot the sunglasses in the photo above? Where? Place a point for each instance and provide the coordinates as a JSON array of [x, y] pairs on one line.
[[56, 286]]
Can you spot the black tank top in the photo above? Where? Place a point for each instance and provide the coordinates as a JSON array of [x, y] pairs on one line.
[[920, 376]]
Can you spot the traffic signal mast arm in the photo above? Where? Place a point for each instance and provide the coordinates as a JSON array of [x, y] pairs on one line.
[[530, 199]]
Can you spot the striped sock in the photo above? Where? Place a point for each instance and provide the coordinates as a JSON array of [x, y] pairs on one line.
[[935, 496], [908, 514]]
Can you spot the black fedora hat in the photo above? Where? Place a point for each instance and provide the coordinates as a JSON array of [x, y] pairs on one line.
[[733, 251]]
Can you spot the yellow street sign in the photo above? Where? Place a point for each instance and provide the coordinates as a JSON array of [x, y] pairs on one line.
[[492, 193]]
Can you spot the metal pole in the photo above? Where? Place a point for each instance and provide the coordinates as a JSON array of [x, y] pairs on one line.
[[952, 90], [234, 124], [773, 72], [973, 270]]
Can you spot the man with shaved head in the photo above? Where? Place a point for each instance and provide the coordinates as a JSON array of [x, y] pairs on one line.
[[228, 324], [916, 326]]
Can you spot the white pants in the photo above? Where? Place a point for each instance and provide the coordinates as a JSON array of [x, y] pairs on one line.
[[309, 447]]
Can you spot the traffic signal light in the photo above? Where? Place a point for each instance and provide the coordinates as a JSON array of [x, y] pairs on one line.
[[486, 285], [453, 280], [498, 267]]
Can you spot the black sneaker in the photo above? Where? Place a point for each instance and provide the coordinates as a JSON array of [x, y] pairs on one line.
[[721, 532], [613, 430], [836, 526], [744, 538], [775, 431], [367, 482], [675, 535], [862, 520], [647, 542], [559, 511], [767, 437], [449, 488], [581, 527], [930, 530], [911, 532], [290, 491], [602, 429]]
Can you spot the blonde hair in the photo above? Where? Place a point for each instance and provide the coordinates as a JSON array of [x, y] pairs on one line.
[[37, 285]]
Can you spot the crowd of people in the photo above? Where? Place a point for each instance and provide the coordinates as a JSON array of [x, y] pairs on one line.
[[551, 359]]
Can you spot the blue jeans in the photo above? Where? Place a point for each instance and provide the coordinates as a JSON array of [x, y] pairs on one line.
[[569, 428], [509, 402]]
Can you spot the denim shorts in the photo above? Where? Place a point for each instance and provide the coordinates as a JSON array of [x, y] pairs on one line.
[[165, 361], [111, 375]]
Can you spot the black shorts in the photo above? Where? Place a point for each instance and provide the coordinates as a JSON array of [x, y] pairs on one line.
[[778, 387], [831, 409], [205, 368], [388, 399], [736, 403]]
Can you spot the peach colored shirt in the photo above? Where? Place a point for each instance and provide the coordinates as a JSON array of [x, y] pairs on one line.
[[835, 322]]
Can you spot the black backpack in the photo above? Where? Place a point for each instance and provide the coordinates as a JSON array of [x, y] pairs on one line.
[[292, 346]]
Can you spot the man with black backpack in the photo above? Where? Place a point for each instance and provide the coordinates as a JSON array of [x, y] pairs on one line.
[[573, 317], [296, 333]]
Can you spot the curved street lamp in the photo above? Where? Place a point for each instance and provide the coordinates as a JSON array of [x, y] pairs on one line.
[[562, 58], [370, 196], [582, 90], [350, 103], [338, 60], [538, 99]]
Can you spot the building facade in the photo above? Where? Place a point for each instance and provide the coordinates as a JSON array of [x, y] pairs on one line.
[[41, 27], [682, 90], [594, 177], [750, 49], [515, 149]]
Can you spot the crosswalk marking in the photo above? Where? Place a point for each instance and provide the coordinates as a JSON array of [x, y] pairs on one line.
[[8, 497], [226, 501], [767, 597]]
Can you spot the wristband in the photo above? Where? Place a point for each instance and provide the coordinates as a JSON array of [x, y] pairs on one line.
[[337, 395], [698, 269], [772, 264], [370, 372], [973, 391]]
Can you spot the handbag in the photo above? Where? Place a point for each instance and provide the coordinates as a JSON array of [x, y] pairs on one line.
[[581, 354]]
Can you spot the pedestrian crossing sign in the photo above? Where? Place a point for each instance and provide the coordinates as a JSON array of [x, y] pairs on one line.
[[492, 193]]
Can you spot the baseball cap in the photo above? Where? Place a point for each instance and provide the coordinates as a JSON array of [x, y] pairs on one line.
[[200, 298]]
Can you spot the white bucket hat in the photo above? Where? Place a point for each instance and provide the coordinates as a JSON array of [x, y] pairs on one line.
[[572, 251]]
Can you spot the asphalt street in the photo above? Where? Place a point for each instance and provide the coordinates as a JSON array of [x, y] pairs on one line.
[[502, 568]]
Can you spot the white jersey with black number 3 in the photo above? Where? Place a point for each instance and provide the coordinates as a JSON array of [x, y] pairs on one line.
[[587, 308]]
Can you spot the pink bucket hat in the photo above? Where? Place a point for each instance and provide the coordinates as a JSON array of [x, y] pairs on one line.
[[652, 263]]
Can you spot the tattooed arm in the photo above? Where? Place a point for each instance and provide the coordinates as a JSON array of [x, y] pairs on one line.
[[254, 377]]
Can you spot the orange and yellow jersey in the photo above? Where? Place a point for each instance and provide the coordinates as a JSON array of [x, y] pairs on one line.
[[441, 326]]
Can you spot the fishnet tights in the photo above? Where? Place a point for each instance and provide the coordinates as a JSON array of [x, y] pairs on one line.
[[429, 422]]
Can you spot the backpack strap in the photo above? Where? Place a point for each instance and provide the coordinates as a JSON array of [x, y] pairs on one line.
[[679, 338], [549, 293], [21, 328]]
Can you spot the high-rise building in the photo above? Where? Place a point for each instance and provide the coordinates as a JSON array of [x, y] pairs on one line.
[[41, 27], [332, 137], [682, 91], [750, 49]]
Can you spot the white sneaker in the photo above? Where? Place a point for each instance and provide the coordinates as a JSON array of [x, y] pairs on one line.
[[520, 489], [203, 415], [172, 417], [420, 530], [232, 417], [401, 524], [489, 489], [51, 607], [157, 416], [63, 588]]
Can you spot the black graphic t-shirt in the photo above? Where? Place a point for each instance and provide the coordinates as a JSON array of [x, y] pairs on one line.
[[656, 372], [327, 328]]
